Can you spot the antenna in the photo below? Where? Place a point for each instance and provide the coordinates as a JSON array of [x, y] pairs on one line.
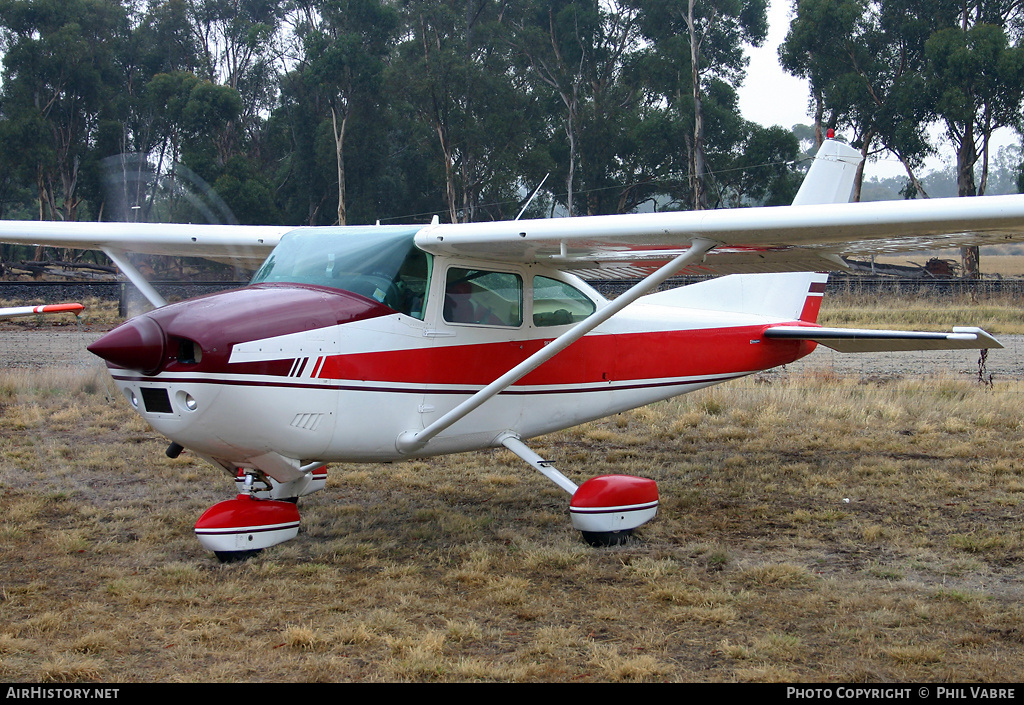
[[533, 195]]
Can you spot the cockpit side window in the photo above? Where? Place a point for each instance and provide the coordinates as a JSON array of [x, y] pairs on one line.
[[410, 284], [481, 297], [557, 303]]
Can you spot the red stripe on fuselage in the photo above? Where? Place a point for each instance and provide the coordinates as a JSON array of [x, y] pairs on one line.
[[592, 360]]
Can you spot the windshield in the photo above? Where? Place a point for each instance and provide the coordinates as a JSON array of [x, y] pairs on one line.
[[379, 262]]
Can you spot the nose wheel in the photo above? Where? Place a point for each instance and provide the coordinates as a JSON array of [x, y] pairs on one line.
[[236, 556], [603, 539], [239, 528]]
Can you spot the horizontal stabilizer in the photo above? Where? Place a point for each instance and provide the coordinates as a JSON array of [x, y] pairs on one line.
[[852, 340]]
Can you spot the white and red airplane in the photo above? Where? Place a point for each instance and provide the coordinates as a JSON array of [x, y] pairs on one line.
[[385, 343], [15, 311]]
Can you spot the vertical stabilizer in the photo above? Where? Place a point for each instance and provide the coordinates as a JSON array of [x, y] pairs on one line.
[[831, 176]]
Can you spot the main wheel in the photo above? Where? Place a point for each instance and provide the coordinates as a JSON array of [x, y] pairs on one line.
[[235, 556], [599, 539]]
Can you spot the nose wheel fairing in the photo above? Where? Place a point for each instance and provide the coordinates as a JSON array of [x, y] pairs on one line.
[[246, 524]]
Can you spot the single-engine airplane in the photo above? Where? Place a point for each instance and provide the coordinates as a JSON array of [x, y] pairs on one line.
[[385, 343]]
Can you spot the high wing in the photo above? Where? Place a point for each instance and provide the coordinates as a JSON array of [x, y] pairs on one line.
[[13, 311], [238, 244], [775, 239], [244, 245], [768, 239], [813, 234]]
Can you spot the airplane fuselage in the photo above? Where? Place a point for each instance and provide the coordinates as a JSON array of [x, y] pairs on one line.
[[305, 373]]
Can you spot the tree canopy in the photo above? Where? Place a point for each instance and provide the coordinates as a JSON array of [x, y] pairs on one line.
[[314, 112], [326, 111]]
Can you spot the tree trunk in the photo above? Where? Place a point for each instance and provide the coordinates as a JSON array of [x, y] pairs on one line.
[[918, 186], [966, 157], [700, 197], [339, 152]]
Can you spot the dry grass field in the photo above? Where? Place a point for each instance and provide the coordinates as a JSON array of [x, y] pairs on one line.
[[813, 527]]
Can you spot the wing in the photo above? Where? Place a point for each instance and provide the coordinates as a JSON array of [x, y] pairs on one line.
[[779, 239], [812, 235], [245, 245], [239, 244], [13, 311]]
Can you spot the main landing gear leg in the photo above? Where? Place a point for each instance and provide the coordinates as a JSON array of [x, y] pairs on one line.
[[604, 509]]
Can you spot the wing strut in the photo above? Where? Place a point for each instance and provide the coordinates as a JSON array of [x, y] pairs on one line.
[[410, 441], [135, 276]]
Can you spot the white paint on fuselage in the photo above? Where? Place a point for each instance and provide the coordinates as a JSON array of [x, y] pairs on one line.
[[240, 417]]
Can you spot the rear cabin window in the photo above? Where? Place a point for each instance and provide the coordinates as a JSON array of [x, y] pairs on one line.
[[556, 303]]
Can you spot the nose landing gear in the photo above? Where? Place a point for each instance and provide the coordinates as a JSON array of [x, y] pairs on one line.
[[239, 528]]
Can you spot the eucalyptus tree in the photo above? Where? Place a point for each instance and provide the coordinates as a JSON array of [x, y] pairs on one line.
[[976, 73], [61, 71], [889, 68], [452, 71], [761, 171], [240, 46], [343, 49], [585, 55], [865, 61], [701, 46]]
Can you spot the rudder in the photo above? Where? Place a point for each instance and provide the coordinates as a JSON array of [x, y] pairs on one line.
[[831, 176]]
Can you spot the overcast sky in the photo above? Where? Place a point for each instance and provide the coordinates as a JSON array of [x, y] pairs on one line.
[[770, 96]]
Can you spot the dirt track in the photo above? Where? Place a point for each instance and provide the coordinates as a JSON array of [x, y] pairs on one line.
[[49, 347], [1007, 362]]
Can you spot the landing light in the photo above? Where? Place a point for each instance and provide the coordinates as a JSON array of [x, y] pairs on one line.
[[189, 401]]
